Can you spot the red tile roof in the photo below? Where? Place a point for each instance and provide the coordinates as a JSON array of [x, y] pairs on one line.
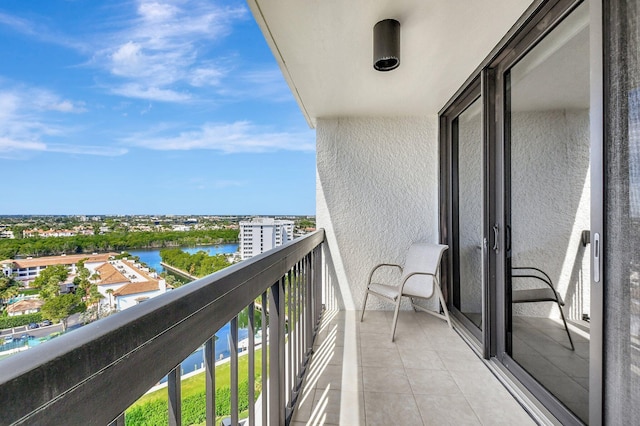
[[135, 288], [25, 305], [59, 260], [110, 275]]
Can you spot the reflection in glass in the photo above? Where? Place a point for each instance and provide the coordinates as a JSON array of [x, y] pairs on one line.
[[549, 201], [468, 291]]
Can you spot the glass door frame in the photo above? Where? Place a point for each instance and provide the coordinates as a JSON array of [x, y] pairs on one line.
[[545, 20], [488, 82], [473, 92]]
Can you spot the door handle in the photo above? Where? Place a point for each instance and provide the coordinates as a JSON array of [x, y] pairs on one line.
[[597, 249], [495, 237]]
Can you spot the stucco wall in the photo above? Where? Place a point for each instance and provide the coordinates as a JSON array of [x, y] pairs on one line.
[[377, 192], [551, 203]]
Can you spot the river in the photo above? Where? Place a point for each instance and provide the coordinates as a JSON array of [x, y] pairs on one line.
[[152, 256]]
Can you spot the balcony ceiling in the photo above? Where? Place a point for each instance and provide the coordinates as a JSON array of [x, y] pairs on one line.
[[324, 49]]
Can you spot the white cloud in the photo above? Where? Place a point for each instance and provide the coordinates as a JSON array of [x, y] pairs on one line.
[[10, 148], [257, 84], [41, 32], [162, 48], [103, 151], [139, 91], [238, 137], [8, 145], [26, 122], [156, 12], [68, 106], [206, 76]]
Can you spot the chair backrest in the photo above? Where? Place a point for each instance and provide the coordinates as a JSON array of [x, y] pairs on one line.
[[421, 257]]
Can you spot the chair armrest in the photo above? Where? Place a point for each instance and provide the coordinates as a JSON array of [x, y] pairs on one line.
[[529, 272], [416, 273], [375, 268]]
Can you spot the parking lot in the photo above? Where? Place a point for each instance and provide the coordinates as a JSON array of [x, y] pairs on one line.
[[42, 331]]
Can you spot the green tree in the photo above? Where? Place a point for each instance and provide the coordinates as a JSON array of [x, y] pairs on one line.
[[9, 287], [50, 278], [59, 308]]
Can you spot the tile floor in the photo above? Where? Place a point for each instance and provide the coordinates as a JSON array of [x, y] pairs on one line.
[[428, 376], [541, 346]]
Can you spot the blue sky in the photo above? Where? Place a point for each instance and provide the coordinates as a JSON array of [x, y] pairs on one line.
[[147, 107]]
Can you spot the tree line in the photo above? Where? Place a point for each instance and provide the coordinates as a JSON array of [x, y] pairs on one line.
[[198, 264], [116, 241]]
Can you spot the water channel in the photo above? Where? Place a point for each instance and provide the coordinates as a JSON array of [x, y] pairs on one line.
[[195, 361], [152, 256]]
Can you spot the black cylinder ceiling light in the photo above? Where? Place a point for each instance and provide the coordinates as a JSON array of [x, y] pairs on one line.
[[386, 45]]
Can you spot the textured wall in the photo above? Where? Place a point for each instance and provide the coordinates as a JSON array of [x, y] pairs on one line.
[[377, 192], [551, 203]]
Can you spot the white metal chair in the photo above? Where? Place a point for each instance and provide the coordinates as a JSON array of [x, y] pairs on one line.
[[541, 294], [420, 279]]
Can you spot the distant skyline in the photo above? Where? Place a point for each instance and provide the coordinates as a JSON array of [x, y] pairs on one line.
[[147, 107]]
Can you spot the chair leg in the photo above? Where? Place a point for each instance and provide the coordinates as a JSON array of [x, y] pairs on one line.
[[565, 326], [443, 304], [364, 304], [395, 318]]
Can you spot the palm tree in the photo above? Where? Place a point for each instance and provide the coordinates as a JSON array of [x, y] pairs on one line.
[[110, 293]]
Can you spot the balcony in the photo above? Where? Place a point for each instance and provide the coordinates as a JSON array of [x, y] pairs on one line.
[[322, 365], [428, 376]]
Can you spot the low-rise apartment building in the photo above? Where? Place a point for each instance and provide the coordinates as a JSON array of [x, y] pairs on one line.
[[125, 283], [26, 270]]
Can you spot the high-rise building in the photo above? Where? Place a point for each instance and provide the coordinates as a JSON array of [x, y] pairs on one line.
[[262, 234]]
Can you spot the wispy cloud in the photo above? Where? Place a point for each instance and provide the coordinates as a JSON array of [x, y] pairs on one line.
[[102, 151], [257, 84], [27, 120], [238, 137], [42, 32], [12, 148], [159, 52], [141, 91]]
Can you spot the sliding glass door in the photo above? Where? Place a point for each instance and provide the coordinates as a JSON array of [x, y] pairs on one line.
[[547, 215], [467, 155], [517, 163]]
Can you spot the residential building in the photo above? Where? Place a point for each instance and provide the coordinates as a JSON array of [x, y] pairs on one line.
[[263, 233], [30, 233], [6, 233], [25, 306], [26, 270], [125, 283], [498, 135]]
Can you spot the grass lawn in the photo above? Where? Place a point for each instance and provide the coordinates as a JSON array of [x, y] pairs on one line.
[[195, 384]]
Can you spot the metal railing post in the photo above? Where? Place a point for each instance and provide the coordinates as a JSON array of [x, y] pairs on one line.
[[309, 309], [210, 379], [265, 338], [276, 354], [118, 421], [175, 399], [252, 364], [233, 349]]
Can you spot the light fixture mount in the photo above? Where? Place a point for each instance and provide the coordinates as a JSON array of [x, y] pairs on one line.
[[386, 45]]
